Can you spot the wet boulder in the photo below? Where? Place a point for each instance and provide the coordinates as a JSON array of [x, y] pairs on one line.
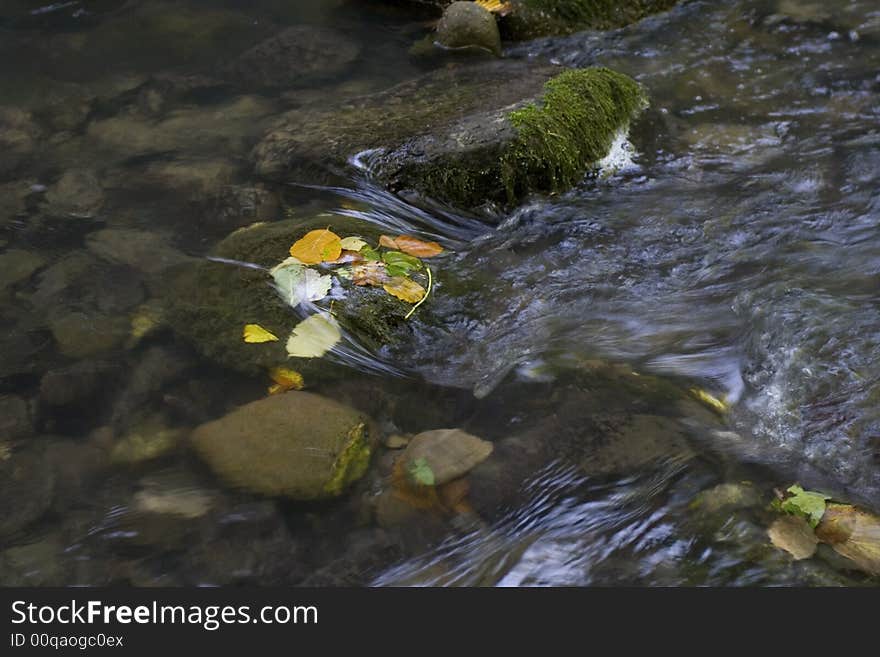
[[466, 136], [468, 25], [296, 445]]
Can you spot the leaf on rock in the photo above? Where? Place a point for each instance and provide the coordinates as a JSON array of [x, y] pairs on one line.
[[256, 334], [317, 246], [853, 533], [346, 257], [352, 244], [807, 504], [285, 379], [370, 254], [400, 264], [794, 535], [313, 337], [296, 283], [500, 7], [369, 273], [404, 289], [421, 472], [411, 246]]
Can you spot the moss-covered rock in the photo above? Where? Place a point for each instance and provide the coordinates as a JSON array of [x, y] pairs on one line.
[[544, 146], [296, 445], [466, 136], [209, 302], [528, 19]]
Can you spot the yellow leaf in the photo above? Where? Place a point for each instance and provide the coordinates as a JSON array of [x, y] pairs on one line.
[[256, 334], [404, 289], [710, 400], [317, 246], [314, 336], [285, 379], [352, 244], [500, 7]]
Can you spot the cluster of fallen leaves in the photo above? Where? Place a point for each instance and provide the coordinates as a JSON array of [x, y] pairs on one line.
[[812, 518], [390, 265]]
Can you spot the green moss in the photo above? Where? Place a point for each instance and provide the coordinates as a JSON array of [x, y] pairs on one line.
[[572, 128], [352, 462], [534, 18]]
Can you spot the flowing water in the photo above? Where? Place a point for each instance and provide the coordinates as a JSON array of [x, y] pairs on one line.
[[735, 250]]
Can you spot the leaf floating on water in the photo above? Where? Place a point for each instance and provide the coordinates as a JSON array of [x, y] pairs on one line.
[[313, 337], [316, 286], [412, 246], [256, 334], [710, 400], [421, 472], [285, 379], [806, 504], [296, 283], [369, 273], [352, 244], [317, 246], [405, 289]]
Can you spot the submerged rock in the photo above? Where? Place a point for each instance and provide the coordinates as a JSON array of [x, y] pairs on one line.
[[27, 484], [17, 265], [297, 445], [77, 194], [18, 139], [468, 25], [445, 453], [466, 136], [296, 56]]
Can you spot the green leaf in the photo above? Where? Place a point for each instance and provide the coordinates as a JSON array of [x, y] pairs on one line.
[[401, 262], [313, 337], [806, 504], [421, 472], [370, 254], [296, 283]]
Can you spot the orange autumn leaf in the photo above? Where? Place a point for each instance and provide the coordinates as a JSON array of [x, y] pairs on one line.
[[404, 289], [316, 246], [411, 246]]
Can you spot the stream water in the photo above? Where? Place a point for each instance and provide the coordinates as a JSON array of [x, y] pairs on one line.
[[736, 252]]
